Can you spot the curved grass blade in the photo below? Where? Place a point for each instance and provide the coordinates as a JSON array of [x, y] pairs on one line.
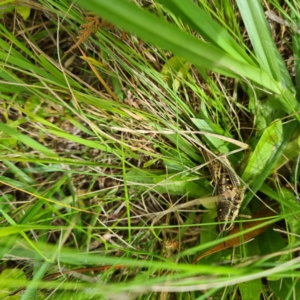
[[203, 23], [155, 30], [263, 151], [26, 140], [252, 171], [265, 49]]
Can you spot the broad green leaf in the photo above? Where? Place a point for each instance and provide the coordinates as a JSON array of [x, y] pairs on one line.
[[178, 185], [172, 184], [23, 11], [196, 17], [284, 287], [259, 33], [263, 151], [218, 144], [291, 151], [209, 231], [251, 290], [291, 208], [257, 178], [269, 242], [26, 140], [266, 111], [265, 49], [165, 35]]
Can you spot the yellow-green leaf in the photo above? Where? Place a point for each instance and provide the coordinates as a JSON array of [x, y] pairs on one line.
[[265, 148]]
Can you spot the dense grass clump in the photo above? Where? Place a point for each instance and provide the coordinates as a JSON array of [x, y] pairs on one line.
[[105, 110]]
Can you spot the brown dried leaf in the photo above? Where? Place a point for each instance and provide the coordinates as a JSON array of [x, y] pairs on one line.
[[246, 237]]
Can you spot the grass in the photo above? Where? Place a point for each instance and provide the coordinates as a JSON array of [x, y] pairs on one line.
[[104, 192]]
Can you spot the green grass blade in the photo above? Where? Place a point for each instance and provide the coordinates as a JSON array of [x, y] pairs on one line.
[[258, 180], [204, 24], [259, 32], [163, 34], [31, 289], [20, 175], [296, 52], [263, 151], [26, 140]]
